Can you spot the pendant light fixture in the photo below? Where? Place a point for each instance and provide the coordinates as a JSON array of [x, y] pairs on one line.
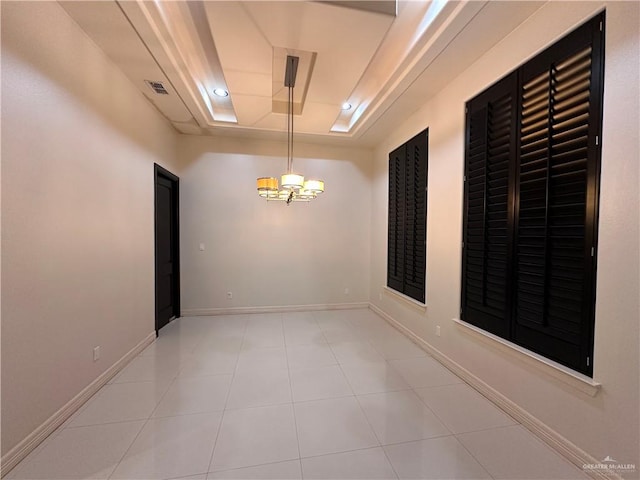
[[293, 187]]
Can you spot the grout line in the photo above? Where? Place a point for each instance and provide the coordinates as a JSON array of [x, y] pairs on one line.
[[365, 416], [375, 433], [344, 451], [146, 422], [226, 400], [413, 389], [249, 466], [472, 455], [301, 402], [190, 414], [188, 476], [293, 407], [116, 422]]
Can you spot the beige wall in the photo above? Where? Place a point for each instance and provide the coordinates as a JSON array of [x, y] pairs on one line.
[[606, 424], [267, 253], [78, 147]]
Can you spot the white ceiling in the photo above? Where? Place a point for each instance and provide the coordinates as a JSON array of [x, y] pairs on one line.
[[385, 65]]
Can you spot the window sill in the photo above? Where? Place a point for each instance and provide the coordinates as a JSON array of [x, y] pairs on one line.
[[416, 305], [556, 370]]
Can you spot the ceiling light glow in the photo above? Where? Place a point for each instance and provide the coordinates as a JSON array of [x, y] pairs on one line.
[[346, 106], [220, 92]]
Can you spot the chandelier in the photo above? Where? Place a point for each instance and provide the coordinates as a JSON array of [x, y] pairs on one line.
[[293, 186]]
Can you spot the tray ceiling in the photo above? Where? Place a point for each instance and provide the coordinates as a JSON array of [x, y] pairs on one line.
[[372, 55]]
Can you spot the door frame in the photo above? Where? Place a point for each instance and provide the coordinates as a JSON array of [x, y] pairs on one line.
[[158, 172]]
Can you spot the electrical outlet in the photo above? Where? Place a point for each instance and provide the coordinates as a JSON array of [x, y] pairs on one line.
[[437, 330], [202, 247], [96, 353], [380, 296], [229, 294], [346, 291]]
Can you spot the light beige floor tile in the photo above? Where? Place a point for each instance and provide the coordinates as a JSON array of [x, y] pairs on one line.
[[397, 348], [400, 417], [272, 471], [462, 409], [319, 383], [365, 464], [373, 377], [255, 436], [171, 447], [83, 452], [332, 426], [121, 402], [424, 372], [209, 362], [356, 352], [270, 358], [188, 395], [308, 356], [436, 458], [259, 388]]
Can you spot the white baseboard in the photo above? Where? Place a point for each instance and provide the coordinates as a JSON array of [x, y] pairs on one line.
[[194, 312], [35, 438], [557, 442]]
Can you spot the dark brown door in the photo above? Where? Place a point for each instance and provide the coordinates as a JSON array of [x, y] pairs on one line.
[[167, 247]]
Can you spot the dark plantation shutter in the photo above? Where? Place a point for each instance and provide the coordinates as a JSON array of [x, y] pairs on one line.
[[553, 261], [416, 214], [407, 227], [488, 209], [396, 226], [532, 167]]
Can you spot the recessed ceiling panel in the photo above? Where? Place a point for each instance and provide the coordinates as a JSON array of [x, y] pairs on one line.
[[241, 45], [248, 83], [251, 109], [247, 35]]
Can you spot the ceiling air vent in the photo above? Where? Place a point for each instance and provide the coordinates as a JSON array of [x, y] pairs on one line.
[[157, 87]]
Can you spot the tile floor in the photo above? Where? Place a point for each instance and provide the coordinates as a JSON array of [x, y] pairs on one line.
[[314, 395]]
